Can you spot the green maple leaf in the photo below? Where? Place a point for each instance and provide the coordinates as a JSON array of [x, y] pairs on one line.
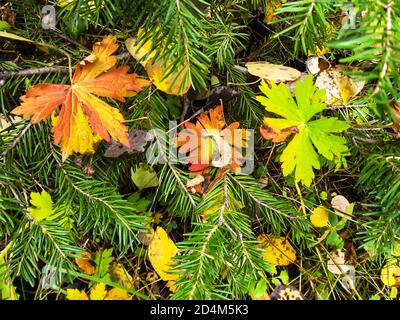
[[44, 205], [43, 210], [313, 137]]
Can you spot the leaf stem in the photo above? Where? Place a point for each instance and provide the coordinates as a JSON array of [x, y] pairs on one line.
[[303, 208]]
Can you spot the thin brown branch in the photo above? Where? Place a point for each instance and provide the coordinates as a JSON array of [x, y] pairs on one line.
[[15, 141], [5, 75]]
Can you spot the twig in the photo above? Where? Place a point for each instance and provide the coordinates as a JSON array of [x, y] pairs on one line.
[[62, 36], [186, 105], [32, 71], [5, 75], [14, 143]]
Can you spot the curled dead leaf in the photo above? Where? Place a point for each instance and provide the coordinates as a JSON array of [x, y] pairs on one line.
[[336, 262], [339, 88], [284, 292], [340, 204]]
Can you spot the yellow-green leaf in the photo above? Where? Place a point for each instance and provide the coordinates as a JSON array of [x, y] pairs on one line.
[[312, 137], [144, 177], [43, 205], [390, 273], [161, 251]]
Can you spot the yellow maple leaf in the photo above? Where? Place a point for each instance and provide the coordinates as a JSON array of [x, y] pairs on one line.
[[278, 250], [98, 292], [161, 251], [319, 217], [75, 294], [118, 294]]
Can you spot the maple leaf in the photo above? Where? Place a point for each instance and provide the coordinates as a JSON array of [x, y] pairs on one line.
[[98, 292], [43, 206], [210, 142], [276, 135], [83, 116], [301, 155]]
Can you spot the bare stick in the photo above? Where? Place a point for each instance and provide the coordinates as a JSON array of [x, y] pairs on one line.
[[14, 143], [5, 75]]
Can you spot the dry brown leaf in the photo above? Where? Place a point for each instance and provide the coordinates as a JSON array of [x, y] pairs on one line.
[[339, 204], [316, 65], [336, 262], [340, 89]]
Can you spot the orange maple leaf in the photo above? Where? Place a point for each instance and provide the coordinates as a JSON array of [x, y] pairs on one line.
[[84, 118], [276, 135], [210, 142]]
